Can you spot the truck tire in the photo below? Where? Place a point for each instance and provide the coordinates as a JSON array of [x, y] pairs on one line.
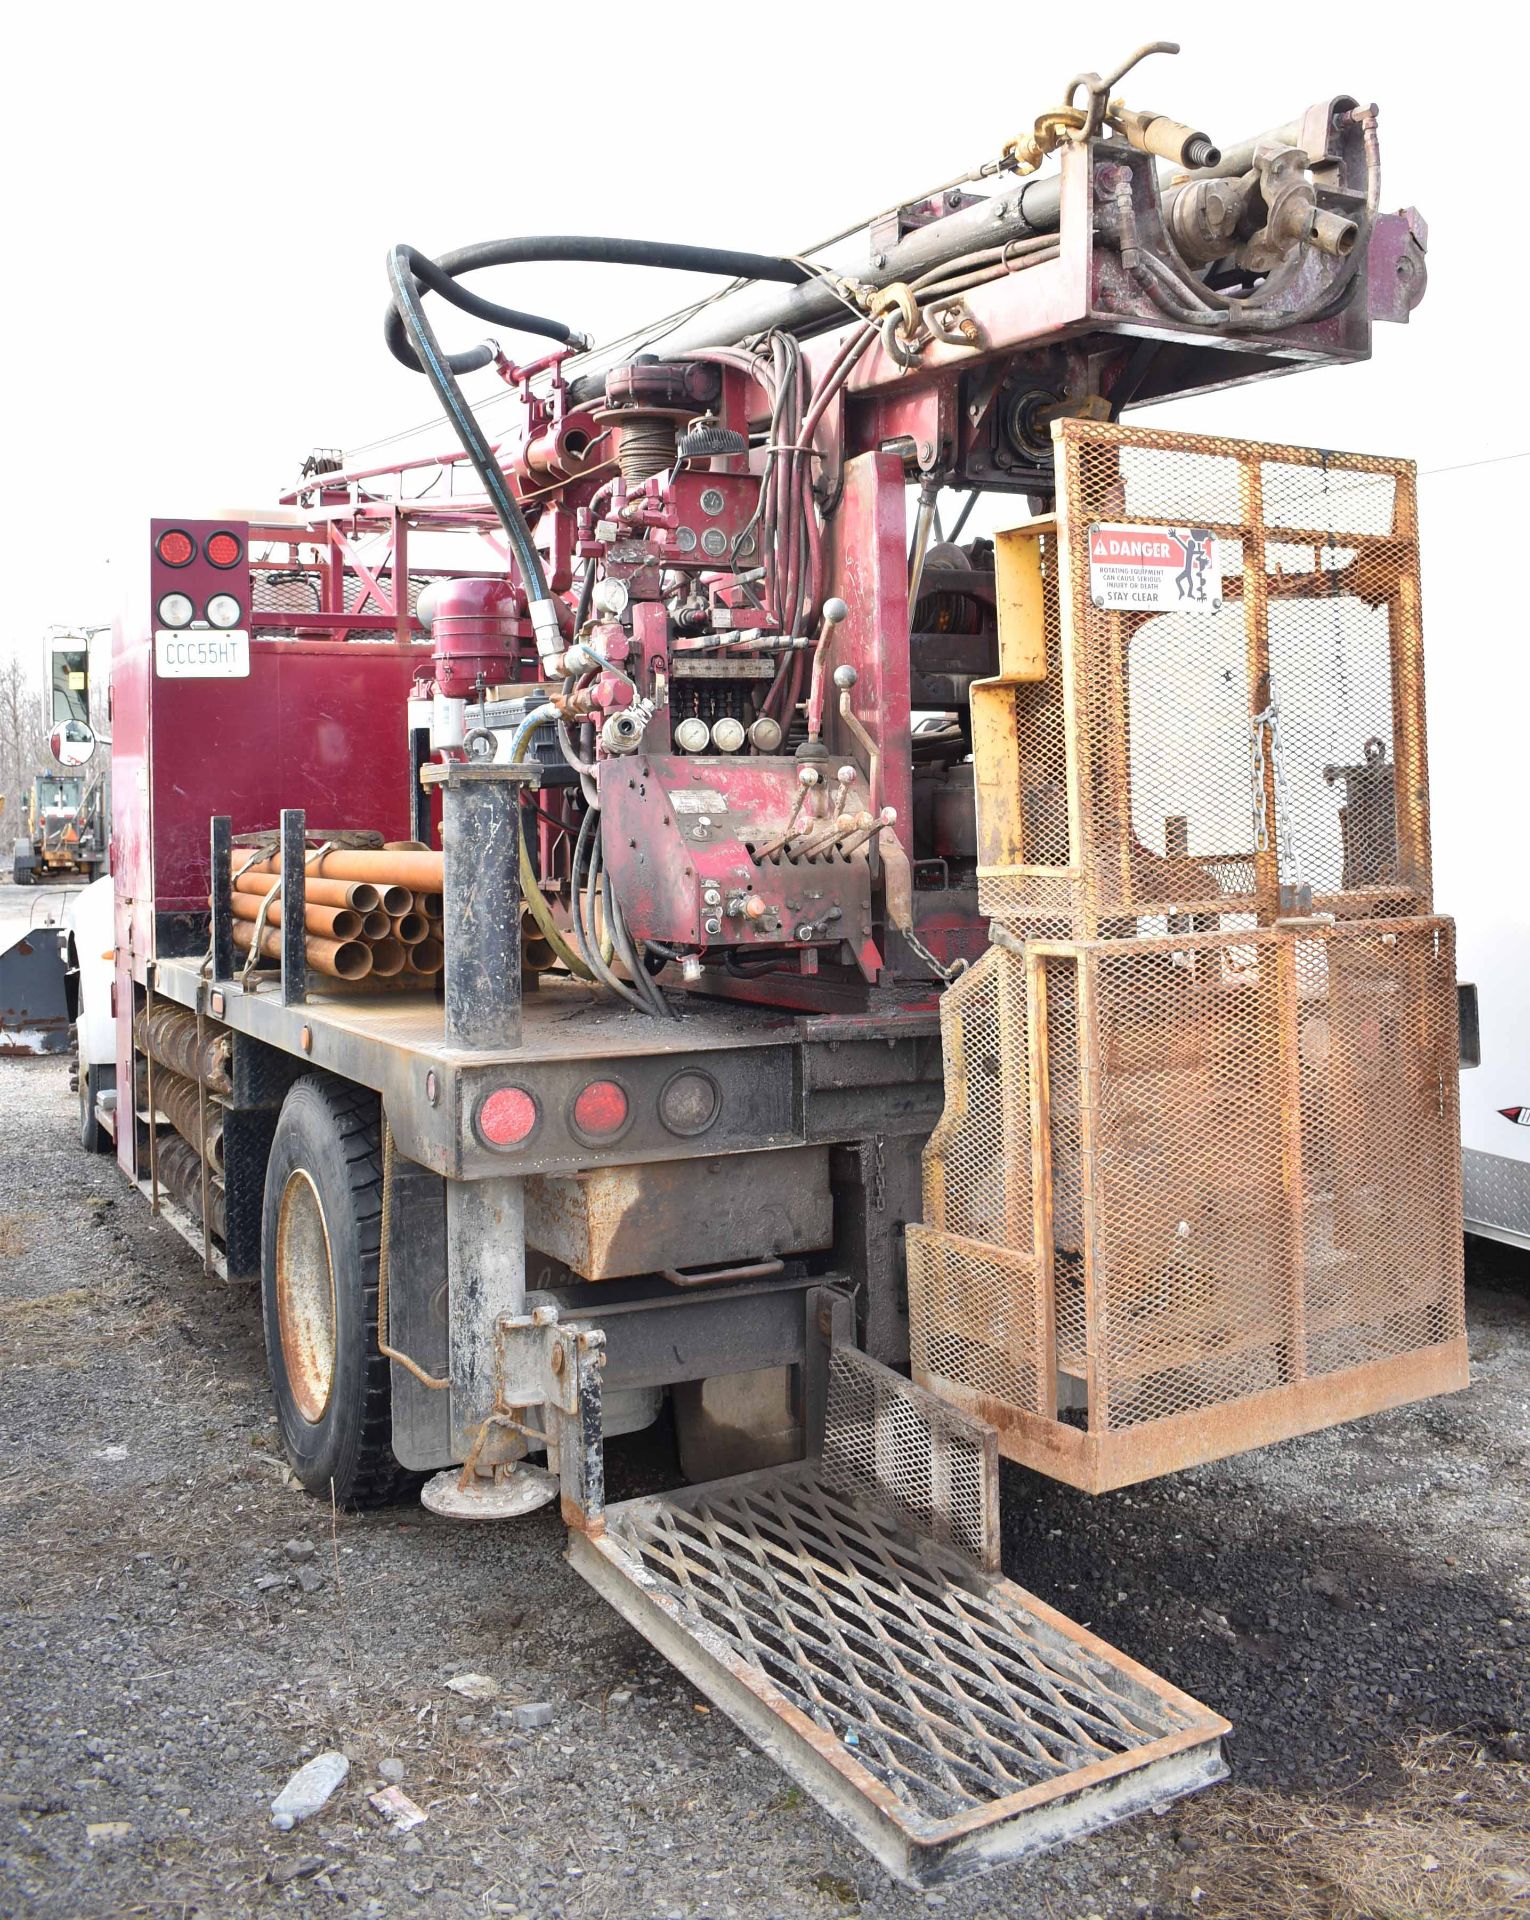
[[319, 1243], [23, 867], [93, 1080]]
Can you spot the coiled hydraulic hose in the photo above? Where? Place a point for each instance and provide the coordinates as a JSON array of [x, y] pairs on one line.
[[540, 603], [597, 249]]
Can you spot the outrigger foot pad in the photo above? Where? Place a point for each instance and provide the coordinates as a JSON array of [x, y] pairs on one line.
[[504, 1495]]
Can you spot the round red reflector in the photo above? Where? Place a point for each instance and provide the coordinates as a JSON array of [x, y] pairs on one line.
[[223, 549], [601, 1109], [176, 549], [507, 1116]]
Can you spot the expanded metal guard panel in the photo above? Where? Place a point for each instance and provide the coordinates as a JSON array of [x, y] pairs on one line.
[[1213, 1198], [301, 589], [1258, 728], [946, 1717], [1197, 1182], [888, 1443]]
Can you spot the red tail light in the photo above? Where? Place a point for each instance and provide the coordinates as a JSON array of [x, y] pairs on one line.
[[601, 1111], [175, 548], [506, 1117], [224, 549]]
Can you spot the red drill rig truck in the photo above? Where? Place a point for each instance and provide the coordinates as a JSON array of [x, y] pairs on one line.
[[640, 918]]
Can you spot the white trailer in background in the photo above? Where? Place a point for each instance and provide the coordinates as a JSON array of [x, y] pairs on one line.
[[1495, 1095], [1479, 728]]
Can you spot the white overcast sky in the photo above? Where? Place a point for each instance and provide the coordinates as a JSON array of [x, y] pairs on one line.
[[199, 200]]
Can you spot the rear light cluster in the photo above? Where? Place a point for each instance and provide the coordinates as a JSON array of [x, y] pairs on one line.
[[176, 548], [601, 1112]]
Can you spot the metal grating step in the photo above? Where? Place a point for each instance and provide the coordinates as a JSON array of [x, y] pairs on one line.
[[950, 1720]]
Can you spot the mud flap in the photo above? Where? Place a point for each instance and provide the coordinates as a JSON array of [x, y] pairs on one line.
[[34, 1013], [949, 1720]]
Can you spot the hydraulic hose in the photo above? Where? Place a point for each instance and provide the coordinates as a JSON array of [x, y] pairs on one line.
[[586, 850], [531, 886], [598, 249], [540, 603]]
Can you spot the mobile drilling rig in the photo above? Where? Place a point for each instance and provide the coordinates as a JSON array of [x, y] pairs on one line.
[[643, 920]]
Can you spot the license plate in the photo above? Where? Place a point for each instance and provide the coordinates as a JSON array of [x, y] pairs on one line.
[[180, 655]]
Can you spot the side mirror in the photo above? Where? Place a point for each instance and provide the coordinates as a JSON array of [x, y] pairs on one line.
[[72, 743]]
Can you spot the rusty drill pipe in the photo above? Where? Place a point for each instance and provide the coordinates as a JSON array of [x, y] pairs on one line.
[[387, 958], [171, 1036], [340, 959], [429, 956], [360, 895], [396, 902], [432, 905], [334, 923], [409, 929], [420, 872], [376, 925]]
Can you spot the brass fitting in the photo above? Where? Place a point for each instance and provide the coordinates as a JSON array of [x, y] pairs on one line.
[[1151, 132]]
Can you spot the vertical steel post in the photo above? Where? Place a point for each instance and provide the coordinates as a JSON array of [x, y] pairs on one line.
[[486, 1279], [481, 834], [294, 927], [149, 973], [207, 1265], [485, 1219], [581, 1440], [419, 798], [222, 895]]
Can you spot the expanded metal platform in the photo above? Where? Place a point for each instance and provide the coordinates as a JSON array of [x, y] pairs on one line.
[[947, 1718]]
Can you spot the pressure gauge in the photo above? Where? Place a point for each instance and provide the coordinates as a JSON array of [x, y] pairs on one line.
[[610, 597], [765, 734], [727, 734], [692, 736]]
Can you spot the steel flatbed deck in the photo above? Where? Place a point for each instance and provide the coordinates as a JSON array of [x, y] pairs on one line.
[[779, 1079]]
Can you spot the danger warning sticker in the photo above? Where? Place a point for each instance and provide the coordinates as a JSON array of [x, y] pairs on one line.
[[1160, 569]]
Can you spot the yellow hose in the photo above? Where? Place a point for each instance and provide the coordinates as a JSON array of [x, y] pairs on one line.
[[541, 912]]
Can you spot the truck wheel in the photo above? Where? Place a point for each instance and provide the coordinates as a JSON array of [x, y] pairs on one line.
[[93, 1136], [319, 1243]]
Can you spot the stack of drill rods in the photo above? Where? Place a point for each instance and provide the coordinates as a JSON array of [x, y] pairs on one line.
[[341, 959], [357, 929]]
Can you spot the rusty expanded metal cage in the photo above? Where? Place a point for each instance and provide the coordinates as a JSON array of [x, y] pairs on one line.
[[1213, 763], [912, 1455], [1197, 1183]]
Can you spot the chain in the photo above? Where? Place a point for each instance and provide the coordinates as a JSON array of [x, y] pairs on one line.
[[879, 1174], [954, 972], [1264, 723], [1256, 728]]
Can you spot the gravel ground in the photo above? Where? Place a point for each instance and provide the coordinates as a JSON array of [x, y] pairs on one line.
[[180, 1628]]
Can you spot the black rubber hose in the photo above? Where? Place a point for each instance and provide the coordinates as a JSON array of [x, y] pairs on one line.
[[411, 318], [597, 249]]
